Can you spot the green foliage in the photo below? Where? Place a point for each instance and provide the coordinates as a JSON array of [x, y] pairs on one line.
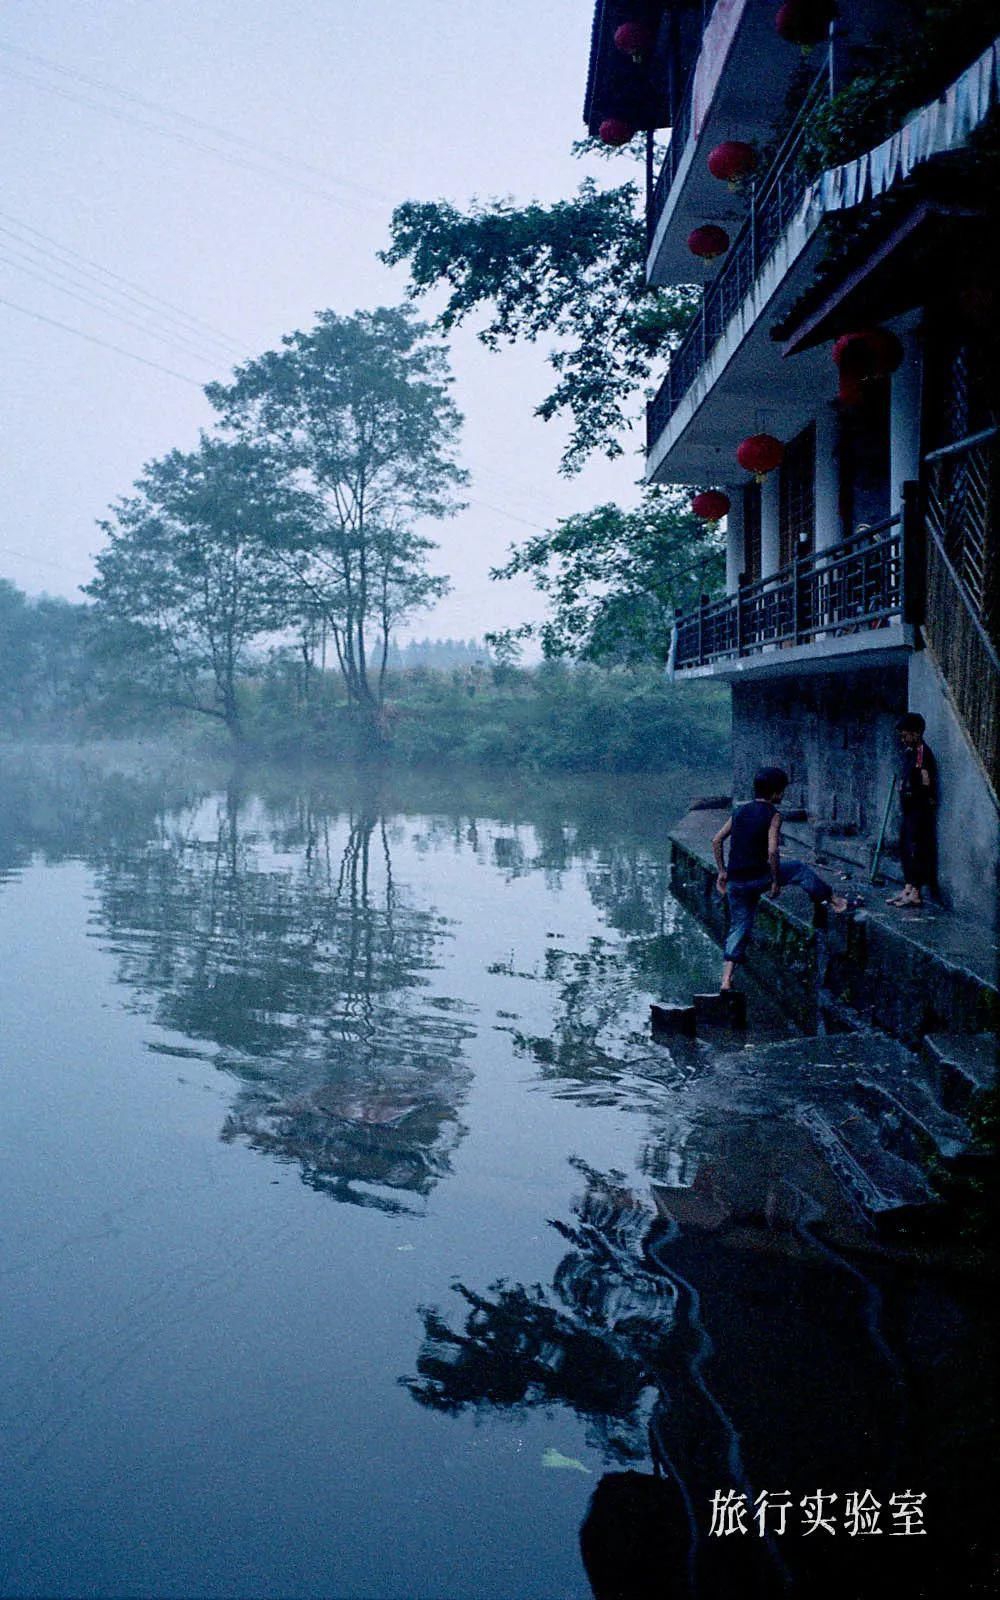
[[46, 669], [357, 413], [614, 577], [573, 274], [901, 73], [187, 582], [556, 718]]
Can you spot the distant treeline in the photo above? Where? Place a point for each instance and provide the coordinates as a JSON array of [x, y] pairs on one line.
[[59, 677], [440, 655]]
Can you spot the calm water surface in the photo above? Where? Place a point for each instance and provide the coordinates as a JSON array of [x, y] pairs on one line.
[[345, 1243]]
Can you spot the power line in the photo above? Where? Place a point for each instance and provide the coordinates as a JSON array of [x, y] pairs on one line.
[[295, 162], [132, 290], [92, 338], [54, 279], [230, 158], [510, 515], [38, 561]]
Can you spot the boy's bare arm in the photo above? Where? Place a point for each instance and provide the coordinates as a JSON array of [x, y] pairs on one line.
[[720, 860], [774, 854]]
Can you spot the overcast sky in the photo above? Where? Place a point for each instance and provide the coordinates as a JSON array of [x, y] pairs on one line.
[[239, 159]]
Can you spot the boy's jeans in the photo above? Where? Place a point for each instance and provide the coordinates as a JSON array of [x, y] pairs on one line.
[[745, 897]]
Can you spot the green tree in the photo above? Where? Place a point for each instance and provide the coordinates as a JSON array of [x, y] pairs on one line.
[[572, 273], [613, 578], [188, 581], [358, 412], [15, 653], [46, 667]]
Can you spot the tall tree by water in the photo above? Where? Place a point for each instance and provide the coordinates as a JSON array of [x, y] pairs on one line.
[[357, 410], [188, 580]]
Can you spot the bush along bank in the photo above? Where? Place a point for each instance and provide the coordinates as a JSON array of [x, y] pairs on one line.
[[554, 718]]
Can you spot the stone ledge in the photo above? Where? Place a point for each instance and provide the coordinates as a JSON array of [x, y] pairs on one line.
[[909, 978]]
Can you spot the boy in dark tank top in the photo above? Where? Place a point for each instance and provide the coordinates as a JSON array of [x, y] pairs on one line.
[[755, 866]]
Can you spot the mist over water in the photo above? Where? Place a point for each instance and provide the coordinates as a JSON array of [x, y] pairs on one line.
[[355, 1228]]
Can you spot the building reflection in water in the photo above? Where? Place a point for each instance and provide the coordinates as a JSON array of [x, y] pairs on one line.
[[713, 1338]]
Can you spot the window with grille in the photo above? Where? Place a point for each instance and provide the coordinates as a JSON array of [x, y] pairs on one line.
[[797, 514]]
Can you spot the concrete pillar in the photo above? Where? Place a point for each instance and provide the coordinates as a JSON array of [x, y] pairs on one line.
[[735, 558], [827, 529], [904, 416], [770, 515]]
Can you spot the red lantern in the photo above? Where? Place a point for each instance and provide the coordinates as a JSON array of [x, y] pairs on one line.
[[732, 161], [635, 39], [711, 505], [805, 22], [708, 242], [614, 130], [862, 358], [760, 454]]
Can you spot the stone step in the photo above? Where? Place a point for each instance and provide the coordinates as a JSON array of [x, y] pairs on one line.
[[909, 1120], [962, 1065], [834, 851], [876, 1181], [724, 1008], [672, 1019]]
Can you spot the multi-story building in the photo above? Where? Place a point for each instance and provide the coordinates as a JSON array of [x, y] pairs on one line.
[[861, 554]]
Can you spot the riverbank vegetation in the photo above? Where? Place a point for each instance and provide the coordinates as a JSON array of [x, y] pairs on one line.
[[250, 590], [62, 676]]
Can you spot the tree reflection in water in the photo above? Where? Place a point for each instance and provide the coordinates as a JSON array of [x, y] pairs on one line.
[[729, 1347], [589, 1344], [283, 939]]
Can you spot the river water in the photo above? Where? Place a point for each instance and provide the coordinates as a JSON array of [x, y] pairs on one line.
[[356, 1231]]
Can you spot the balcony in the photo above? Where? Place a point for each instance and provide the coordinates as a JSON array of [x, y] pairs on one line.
[[850, 599], [773, 204], [736, 89], [728, 368]]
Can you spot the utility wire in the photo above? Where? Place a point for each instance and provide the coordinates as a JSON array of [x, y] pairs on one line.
[[131, 290], [39, 561], [231, 158], [92, 338], [294, 162], [105, 307]]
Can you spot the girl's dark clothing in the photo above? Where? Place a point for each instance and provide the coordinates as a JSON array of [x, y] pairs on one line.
[[748, 841], [917, 802], [917, 798]]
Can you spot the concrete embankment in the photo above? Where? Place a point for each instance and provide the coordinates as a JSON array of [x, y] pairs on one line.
[[925, 983], [910, 973]]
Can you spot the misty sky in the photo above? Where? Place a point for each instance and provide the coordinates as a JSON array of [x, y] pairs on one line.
[[106, 154]]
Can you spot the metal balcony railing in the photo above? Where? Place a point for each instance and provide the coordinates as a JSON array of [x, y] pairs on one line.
[[853, 586], [679, 134], [774, 201]]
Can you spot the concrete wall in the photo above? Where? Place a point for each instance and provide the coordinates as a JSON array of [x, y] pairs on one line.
[[968, 820], [834, 734]]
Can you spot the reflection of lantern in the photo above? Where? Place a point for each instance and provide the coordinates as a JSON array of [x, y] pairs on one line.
[[760, 454], [732, 161], [614, 130], [708, 241], [805, 22], [634, 39], [863, 357], [711, 505]]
